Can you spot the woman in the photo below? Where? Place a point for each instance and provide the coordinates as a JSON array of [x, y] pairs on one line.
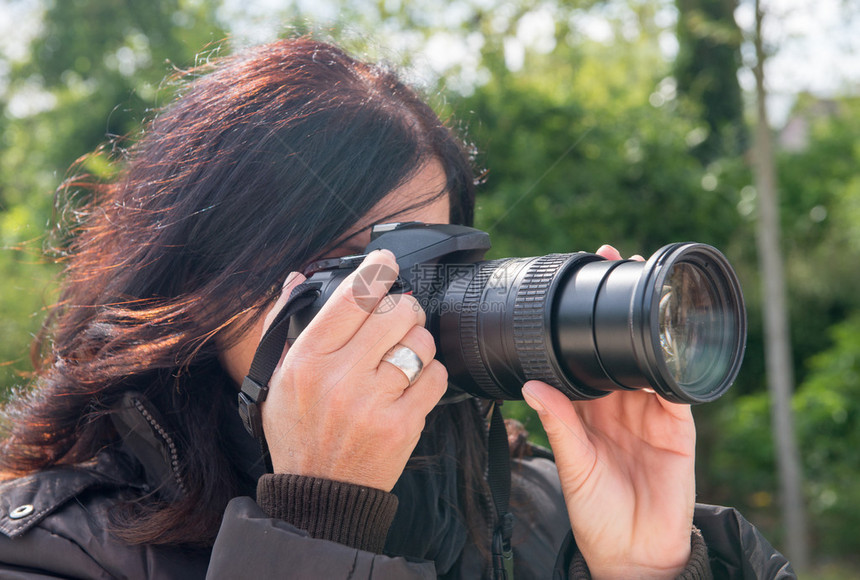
[[128, 457]]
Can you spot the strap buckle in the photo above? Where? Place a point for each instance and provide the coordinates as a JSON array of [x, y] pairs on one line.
[[250, 415], [503, 555]]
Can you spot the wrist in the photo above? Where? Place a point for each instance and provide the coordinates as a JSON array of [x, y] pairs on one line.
[[696, 566]]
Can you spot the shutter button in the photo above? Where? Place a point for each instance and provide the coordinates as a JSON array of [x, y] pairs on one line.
[[22, 511]]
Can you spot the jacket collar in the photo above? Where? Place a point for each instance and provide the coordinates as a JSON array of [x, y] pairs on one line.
[[26, 501], [144, 435], [145, 459]]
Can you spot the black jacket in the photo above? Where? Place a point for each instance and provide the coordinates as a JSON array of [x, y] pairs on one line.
[[55, 523]]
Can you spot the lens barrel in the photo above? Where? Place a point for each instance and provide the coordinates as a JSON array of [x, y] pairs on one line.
[[584, 324], [588, 326]]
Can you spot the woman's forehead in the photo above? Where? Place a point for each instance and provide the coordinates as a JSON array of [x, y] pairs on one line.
[[422, 198]]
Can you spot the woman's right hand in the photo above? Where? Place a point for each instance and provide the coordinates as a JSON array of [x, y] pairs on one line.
[[335, 410]]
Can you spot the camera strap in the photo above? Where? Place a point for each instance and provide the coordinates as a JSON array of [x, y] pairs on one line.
[[499, 480], [255, 387]]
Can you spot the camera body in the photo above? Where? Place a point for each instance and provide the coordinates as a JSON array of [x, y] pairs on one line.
[[583, 324]]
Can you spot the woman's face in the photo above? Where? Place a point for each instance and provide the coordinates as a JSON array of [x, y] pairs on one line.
[[427, 184]]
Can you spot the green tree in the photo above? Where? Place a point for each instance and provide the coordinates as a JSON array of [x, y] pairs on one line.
[[827, 408], [819, 211], [827, 411], [706, 69], [94, 71]]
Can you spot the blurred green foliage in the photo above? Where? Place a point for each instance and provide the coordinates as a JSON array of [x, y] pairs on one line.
[[585, 141], [827, 415], [94, 72], [820, 196], [706, 69]]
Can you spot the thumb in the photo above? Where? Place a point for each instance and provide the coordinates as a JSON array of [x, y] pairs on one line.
[[574, 453]]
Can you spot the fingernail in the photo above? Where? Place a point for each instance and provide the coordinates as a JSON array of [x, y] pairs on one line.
[[532, 400], [389, 253]]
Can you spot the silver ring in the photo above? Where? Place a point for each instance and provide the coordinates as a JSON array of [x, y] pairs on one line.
[[405, 359]]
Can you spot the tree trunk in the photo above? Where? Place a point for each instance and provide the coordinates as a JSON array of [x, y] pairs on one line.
[[706, 71], [777, 346]]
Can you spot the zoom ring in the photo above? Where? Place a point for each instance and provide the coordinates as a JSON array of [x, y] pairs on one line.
[[530, 331], [469, 329]]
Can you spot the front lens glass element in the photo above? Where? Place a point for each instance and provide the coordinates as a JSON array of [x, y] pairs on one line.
[[692, 326]]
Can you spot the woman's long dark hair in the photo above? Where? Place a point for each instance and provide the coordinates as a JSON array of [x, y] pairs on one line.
[[263, 163]]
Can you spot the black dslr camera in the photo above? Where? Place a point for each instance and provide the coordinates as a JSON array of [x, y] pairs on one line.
[[585, 325]]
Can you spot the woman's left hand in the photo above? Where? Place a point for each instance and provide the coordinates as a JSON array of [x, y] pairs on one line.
[[626, 463]]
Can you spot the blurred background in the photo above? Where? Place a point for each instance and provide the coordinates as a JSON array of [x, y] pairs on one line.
[[633, 122]]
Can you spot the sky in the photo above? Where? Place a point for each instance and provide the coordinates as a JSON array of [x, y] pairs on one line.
[[815, 43], [816, 48]]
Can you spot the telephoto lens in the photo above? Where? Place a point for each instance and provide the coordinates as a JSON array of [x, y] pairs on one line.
[[584, 324], [588, 326]]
